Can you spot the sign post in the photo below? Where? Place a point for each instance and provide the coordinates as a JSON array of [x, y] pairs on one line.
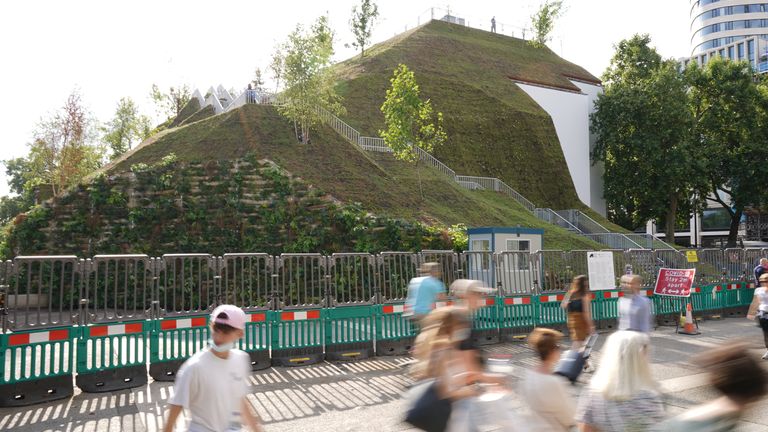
[[678, 283]]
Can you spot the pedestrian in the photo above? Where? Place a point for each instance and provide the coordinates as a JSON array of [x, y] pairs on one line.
[[424, 291], [551, 406], [759, 309], [470, 296], [737, 377], [578, 304], [438, 354], [493, 25], [212, 385], [761, 268], [622, 395], [634, 309], [250, 96]]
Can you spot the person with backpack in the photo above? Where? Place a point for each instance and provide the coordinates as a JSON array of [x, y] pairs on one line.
[[424, 291], [212, 384]]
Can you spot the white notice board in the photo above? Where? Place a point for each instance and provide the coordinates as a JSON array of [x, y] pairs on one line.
[[601, 274]]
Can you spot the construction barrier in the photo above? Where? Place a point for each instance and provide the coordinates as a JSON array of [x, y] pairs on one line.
[[101, 322], [37, 366]]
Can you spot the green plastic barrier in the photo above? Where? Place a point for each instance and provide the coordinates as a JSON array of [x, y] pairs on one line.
[[172, 341], [485, 323], [517, 315], [257, 338], [349, 332], [550, 312], [112, 356], [297, 337], [41, 365], [394, 333]]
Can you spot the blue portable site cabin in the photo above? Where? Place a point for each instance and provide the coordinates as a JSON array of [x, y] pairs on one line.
[[497, 240]]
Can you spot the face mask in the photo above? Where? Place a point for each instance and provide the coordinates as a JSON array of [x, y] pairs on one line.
[[221, 348], [460, 335]]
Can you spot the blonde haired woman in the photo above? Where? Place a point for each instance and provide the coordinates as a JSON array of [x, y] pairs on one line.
[[622, 395], [438, 356]]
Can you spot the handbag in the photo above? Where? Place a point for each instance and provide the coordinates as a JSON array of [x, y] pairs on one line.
[[427, 410]]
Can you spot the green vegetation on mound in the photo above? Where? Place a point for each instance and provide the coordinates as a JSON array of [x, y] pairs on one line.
[[494, 128], [204, 113], [190, 108], [381, 185]]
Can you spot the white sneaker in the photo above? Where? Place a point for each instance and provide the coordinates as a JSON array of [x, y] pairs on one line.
[[765, 356]]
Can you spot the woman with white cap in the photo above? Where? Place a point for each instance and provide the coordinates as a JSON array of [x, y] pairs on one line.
[[212, 385]]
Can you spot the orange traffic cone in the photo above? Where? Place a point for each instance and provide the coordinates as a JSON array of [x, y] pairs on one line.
[[689, 326]]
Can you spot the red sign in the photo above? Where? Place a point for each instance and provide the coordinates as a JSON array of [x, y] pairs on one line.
[[674, 282]]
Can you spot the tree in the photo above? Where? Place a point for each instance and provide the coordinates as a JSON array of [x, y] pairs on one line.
[[730, 111], [258, 80], [362, 22], [64, 149], [411, 126], [309, 82], [17, 173], [169, 104], [543, 21], [642, 126], [277, 65], [127, 127]]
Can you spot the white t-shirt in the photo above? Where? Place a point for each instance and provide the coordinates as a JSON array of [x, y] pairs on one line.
[[762, 296], [212, 389], [551, 405]]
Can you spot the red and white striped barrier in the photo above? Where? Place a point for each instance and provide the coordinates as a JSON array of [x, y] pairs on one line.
[[733, 286], [616, 294], [38, 337], [751, 285], [647, 293], [173, 324], [551, 298], [717, 288], [115, 330], [393, 309], [517, 301], [695, 290], [300, 315]]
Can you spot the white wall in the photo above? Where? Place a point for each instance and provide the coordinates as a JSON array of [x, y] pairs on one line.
[[570, 114], [595, 171]]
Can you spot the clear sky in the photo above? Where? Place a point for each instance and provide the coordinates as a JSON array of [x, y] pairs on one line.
[[110, 49]]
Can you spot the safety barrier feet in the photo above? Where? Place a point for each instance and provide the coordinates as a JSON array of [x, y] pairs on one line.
[[36, 391]]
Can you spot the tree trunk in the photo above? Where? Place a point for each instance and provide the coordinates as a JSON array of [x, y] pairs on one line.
[[733, 232], [671, 219], [418, 175]]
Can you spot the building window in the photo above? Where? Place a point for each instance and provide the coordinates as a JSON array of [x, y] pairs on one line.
[[521, 261], [730, 53], [741, 51], [722, 53], [751, 50]]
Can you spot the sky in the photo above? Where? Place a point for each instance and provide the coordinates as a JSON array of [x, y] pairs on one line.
[[107, 50]]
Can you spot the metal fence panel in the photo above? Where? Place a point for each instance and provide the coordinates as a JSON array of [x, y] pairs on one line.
[[479, 266], [353, 278], [246, 280], [118, 287], [301, 280], [558, 268], [396, 269], [644, 263], [448, 261], [186, 284], [515, 273], [44, 291], [711, 267]]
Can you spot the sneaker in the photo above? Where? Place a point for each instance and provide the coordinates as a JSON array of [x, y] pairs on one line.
[[765, 356]]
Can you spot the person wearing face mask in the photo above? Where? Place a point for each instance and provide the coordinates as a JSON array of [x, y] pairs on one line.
[[212, 384]]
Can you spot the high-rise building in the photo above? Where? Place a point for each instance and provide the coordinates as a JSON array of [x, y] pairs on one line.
[[732, 29]]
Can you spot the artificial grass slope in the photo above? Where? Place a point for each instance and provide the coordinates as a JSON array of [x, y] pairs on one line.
[[381, 184], [494, 128]]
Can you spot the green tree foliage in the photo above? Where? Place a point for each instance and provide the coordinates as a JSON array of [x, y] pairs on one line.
[[126, 128], [730, 110], [170, 103], [362, 22], [410, 122], [642, 124], [543, 21], [303, 63]]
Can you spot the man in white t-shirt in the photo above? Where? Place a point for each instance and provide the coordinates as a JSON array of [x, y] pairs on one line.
[[212, 385]]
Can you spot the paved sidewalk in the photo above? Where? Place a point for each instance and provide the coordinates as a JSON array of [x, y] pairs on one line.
[[366, 395]]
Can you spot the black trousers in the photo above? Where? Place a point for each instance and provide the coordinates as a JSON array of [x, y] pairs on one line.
[[764, 326]]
